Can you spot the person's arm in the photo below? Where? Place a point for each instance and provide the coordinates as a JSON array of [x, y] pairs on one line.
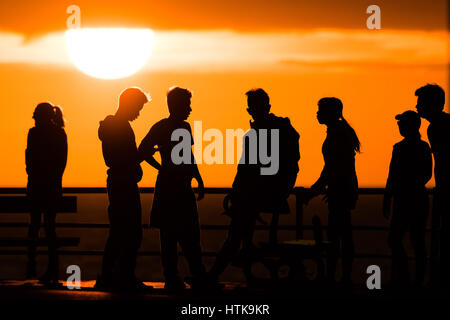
[[201, 186], [147, 149], [321, 183], [388, 191], [427, 165], [62, 153], [29, 153], [196, 173]]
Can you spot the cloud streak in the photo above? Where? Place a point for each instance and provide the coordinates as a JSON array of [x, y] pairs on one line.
[[227, 50]]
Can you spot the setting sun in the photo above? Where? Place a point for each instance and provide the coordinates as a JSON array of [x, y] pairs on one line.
[[109, 53]]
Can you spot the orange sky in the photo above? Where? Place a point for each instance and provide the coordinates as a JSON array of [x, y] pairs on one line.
[[37, 16], [297, 51]]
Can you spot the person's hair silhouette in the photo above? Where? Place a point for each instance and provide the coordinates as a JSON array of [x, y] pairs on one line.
[[430, 101], [338, 180], [330, 112], [131, 102], [124, 210], [258, 104], [174, 208], [46, 157], [410, 169], [430, 105]]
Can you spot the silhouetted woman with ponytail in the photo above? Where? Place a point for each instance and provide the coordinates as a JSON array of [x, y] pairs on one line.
[[339, 183], [45, 157]]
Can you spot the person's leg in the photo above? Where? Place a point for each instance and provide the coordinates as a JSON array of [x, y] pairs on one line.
[[169, 255], [419, 216], [33, 235], [240, 227], [399, 258], [189, 239], [50, 233], [112, 246], [417, 234], [445, 242], [131, 235], [348, 249], [333, 238]]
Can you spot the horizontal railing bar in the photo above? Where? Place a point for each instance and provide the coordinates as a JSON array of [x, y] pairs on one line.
[[76, 225], [157, 253], [203, 227], [365, 191]]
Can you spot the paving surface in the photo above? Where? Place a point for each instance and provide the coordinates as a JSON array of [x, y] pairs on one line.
[[32, 289]]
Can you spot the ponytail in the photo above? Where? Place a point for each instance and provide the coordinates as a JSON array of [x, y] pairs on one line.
[[356, 142], [58, 119]]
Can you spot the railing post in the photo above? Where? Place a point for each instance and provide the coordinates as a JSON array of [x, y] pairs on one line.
[[299, 212]]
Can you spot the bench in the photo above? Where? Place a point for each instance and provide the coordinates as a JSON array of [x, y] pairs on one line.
[[20, 205]]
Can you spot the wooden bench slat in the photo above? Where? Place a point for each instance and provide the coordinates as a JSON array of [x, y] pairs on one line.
[[20, 204]]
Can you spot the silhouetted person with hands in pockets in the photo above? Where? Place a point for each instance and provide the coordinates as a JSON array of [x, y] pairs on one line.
[[255, 190], [124, 172], [430, 105], [174, 209], [410, 169], [339, 183], [46, 157]]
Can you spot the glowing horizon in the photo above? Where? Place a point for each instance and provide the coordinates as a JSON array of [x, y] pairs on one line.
[[224, 49], [374, 73]]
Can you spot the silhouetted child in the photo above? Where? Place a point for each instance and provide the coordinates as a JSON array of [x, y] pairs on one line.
[[409, 171], [174, 209], [124, 210], [339, 182], [46, 157]]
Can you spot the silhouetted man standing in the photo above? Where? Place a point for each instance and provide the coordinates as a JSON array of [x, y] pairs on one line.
[[174, 209], [121, 156], [253, 191], [430, 105]]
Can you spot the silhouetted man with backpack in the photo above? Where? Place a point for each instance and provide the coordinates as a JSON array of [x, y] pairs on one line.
[[255, 188]]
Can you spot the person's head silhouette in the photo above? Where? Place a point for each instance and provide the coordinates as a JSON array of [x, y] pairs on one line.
[[179, 103], [258, 104], [330, 113], [131, 102], [408, 124], [430, 101], [43, 114], [330, 110], [46, 114]]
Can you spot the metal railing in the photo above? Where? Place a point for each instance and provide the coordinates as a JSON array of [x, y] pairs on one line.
[[299, 226]]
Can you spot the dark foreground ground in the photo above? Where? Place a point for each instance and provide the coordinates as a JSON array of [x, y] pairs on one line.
[[31, 289], [235, 301]]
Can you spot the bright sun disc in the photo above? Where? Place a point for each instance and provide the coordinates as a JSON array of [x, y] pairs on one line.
[[109, 53]]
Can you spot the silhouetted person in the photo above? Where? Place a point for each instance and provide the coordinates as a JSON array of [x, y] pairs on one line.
[[174, 209], [124, 173], [254, 192], [430, 105], [46, 157], [410, 169], [339, 182]]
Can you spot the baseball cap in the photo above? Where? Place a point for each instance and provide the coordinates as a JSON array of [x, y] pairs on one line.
[[410, 117]]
